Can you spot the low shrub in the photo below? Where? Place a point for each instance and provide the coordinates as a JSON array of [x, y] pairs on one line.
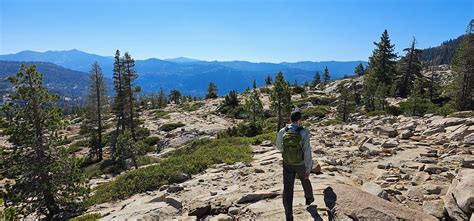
[[152, 140], [316, 111], [270, 124], [161, 113], [146, 160], [87, 217], [194, 158], [171, 126], [142, 132], [418, 107], [191, 107], [376, 113], [241, 130]]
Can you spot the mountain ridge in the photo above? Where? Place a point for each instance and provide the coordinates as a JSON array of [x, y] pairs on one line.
[[191, 76]]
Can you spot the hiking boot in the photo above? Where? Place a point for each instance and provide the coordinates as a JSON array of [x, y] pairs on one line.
[[309, 201]]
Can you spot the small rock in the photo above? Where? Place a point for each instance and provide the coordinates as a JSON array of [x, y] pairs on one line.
[[387, 131], [420, 178], [266, 143], [432, 189], [429, 161], [391, 143], [254, 197], [434, 207], [234, 210], [174, 189], [258, 170], [405, 134], [468, 162], [375, 189], [416, 192], [434, 169], [400, 198], [174, 202]]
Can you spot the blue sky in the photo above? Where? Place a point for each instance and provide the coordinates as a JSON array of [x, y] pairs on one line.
[[253, 30]]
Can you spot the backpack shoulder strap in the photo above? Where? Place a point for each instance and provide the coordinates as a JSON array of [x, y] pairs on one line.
[[299, 129]]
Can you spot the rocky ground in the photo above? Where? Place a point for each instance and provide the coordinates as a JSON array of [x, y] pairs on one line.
[[382, 168]]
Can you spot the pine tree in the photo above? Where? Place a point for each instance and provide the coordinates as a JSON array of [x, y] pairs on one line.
[[463, 67], [356, 93], [417, 97], [175, 96], [382, 64], [129, 76], [380, 72], [162, 101], [359, 70], [268, 80], [305, 84], [434, 88], [345, 104], [47, 180], [409, 69], [254, 107], [127, 148], [316, 80], [96, 102], [211, 91], [231, 99], [280, 98], [381, 93], [119, 101], [326, 76]]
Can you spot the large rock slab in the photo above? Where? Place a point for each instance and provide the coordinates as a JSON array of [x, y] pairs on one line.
[[256, 196], [459, 199], [349, 201]]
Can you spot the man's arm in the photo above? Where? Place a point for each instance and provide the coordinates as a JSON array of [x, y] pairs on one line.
[[308, 159], [279, 140]]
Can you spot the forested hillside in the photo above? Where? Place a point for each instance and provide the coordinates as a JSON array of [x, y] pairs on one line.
[[442, 54]]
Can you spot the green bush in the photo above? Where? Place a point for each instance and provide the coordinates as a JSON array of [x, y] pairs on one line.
[[142, 132], [376, 113], [446, 110], [8, 214], [171, 126], [418, 107], [161, 113], [152, 140], [87, 217], [192, 107], [194, 158], [270, 124], [394, 110], [146, 160], [103, 167], [316, 111], [241, 130]]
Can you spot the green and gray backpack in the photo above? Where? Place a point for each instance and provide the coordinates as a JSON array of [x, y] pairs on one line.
[[293, 146]]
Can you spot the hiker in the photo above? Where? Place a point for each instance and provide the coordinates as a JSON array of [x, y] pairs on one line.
[[293, 142]]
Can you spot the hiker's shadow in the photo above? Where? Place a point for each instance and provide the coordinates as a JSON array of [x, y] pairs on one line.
[[330, 199], [313, 210]]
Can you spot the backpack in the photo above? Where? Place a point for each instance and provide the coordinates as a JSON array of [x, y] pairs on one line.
[[292, 146]]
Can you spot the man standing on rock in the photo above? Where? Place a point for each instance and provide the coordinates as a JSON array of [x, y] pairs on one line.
[[293, 142]]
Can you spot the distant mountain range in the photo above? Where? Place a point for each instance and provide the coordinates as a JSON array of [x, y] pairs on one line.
[[190, 76], [72, 85]]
